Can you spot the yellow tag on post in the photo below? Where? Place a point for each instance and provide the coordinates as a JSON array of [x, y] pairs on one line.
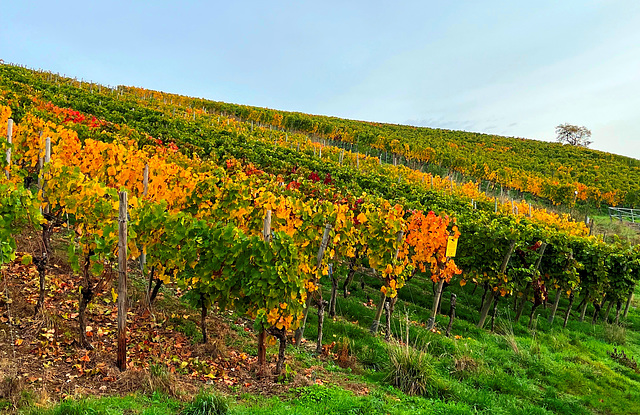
[[452, 246]]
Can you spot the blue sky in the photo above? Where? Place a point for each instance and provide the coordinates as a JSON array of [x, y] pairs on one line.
[[516, 68]]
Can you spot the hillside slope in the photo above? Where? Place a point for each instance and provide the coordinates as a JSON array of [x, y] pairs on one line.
[[252, 227]]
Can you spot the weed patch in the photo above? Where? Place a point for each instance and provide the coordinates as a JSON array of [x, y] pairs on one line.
[[614, 334], [207, 404], [622, 358]]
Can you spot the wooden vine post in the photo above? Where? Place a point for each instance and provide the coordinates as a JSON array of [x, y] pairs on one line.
[[9, 142], [122, 283], [143, 256], [629, 299], [145, 180], [262, 335], [584, 304], [494, 313], [568, 311], [47, 227], [376, 320], [554, 307], [47, 159], [334, 292], [321, 302], [487, 304]]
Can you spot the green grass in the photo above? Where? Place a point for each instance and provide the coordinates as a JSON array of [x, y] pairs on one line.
[[551, 370], [207, 404], [548, 370], [603, 225], [154, 404]]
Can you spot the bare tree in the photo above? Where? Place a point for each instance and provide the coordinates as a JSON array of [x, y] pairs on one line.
[[573, 135]]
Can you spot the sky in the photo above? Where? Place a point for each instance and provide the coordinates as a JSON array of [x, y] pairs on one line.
[[514, 68]]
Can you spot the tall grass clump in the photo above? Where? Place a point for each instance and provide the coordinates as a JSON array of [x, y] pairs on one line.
[[505, 329], [207, 404], [159, 379], [411, 370]]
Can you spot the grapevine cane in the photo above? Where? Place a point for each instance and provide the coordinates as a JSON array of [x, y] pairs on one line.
[[376, 320], [323, 247], [543, 247], [487, 305], [618, 309], [437, 298], [452, 314], [350, 275]]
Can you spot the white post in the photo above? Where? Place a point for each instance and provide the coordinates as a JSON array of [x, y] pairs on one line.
[[122, 282], [47, 159], [9, 134], [266, 229], [145, 180]]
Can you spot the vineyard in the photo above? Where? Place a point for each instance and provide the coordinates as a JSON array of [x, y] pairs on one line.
[[562, 174], [275, 217]]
